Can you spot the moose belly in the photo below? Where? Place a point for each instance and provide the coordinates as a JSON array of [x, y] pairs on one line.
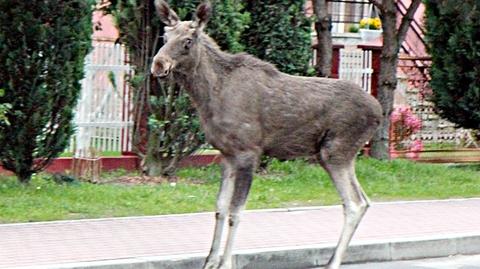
[[291, 146]]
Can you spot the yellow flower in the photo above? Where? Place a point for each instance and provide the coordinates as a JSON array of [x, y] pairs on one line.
[[377, 23], [371, 23], [363, 22]]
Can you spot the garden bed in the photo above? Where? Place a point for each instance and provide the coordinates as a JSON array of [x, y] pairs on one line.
[[442, 155]]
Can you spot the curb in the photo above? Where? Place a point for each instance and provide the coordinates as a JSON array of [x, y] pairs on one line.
[[301, 257]]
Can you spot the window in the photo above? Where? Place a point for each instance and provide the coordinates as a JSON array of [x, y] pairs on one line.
[[346, 13]]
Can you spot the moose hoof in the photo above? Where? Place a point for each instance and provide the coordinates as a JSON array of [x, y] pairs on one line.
[[330, 266], [226, 264], [212, 264]]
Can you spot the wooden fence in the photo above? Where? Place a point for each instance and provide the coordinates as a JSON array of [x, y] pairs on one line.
[[103, 114], [356, 66]]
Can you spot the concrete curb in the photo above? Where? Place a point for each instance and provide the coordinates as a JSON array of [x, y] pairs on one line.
[[301, 257]]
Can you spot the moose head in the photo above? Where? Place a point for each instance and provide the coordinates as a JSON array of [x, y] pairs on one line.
[[181, 50]]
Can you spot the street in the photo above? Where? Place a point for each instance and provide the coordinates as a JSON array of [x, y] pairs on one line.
[[454, 262]]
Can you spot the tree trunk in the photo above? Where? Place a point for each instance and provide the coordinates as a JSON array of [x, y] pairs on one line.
[[24, 176], [324, 39], [387, 80], [387, 84], [156, 162], [159, 167]]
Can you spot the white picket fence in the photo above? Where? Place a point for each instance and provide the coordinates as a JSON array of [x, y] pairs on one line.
[[356, 65], [103, 114]]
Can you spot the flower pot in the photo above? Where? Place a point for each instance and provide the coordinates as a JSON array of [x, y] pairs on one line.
[[370, 34]]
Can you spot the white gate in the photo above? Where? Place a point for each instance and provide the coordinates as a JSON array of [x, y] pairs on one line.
[[103, 114], [356, 65]]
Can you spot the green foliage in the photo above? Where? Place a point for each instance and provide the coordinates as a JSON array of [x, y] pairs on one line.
[[280, 33], [353, 29], [226, 25], [42, 48], [141, 31], [173, 126], [453, 34], [3, 109]]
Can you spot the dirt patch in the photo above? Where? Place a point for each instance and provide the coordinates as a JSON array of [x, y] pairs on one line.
[[146, 180], [141, 180]]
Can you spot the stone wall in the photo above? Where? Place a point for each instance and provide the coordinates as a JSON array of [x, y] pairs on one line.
[[435, 130]]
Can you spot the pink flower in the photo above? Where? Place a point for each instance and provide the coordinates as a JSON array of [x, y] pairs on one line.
[[393, 151], [403, 109], [395, 116], [415, 148], [413, 155], [404, 124], [416, 145], [413, 122]]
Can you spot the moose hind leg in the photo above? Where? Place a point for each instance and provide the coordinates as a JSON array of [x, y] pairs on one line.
[[223, 202], [355, 204]]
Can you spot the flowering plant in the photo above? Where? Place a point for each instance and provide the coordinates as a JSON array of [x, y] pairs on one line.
[[404, 125], [371, 23]]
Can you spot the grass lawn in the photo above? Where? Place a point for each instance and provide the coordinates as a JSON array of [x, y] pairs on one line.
[[102, 154], [286, 184]]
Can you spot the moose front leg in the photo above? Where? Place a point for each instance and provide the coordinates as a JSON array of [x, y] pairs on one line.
[[223, 202], [243, 168]]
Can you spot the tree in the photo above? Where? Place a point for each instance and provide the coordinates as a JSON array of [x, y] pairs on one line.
[[226, 24], [280, 33], [42, 48], [173, 129], [393, 37], [453, 34], [324, 38]]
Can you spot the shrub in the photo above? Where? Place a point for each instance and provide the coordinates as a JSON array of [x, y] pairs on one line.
[[404, 125], [280, 33], [453, 35], [353, 29], [42, 48], [226, 25]]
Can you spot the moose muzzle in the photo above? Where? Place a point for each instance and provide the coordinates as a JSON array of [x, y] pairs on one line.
[[161, 66]]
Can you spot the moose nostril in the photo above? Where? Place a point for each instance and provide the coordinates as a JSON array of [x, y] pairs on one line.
[[159, 65]]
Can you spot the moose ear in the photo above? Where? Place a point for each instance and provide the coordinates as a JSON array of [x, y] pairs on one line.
[[167, 15], [202, 15]]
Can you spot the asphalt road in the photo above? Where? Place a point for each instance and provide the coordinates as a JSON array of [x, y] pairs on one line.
[[453, 262]]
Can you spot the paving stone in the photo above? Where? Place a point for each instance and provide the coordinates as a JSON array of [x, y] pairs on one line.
[[62, 242]]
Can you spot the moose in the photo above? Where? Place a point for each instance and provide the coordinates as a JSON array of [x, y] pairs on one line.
[[248, 108]]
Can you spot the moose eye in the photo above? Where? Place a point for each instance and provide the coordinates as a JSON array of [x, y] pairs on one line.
[[188, 43]]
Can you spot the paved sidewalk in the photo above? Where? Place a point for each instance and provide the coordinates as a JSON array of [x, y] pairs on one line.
[[48, 244]]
